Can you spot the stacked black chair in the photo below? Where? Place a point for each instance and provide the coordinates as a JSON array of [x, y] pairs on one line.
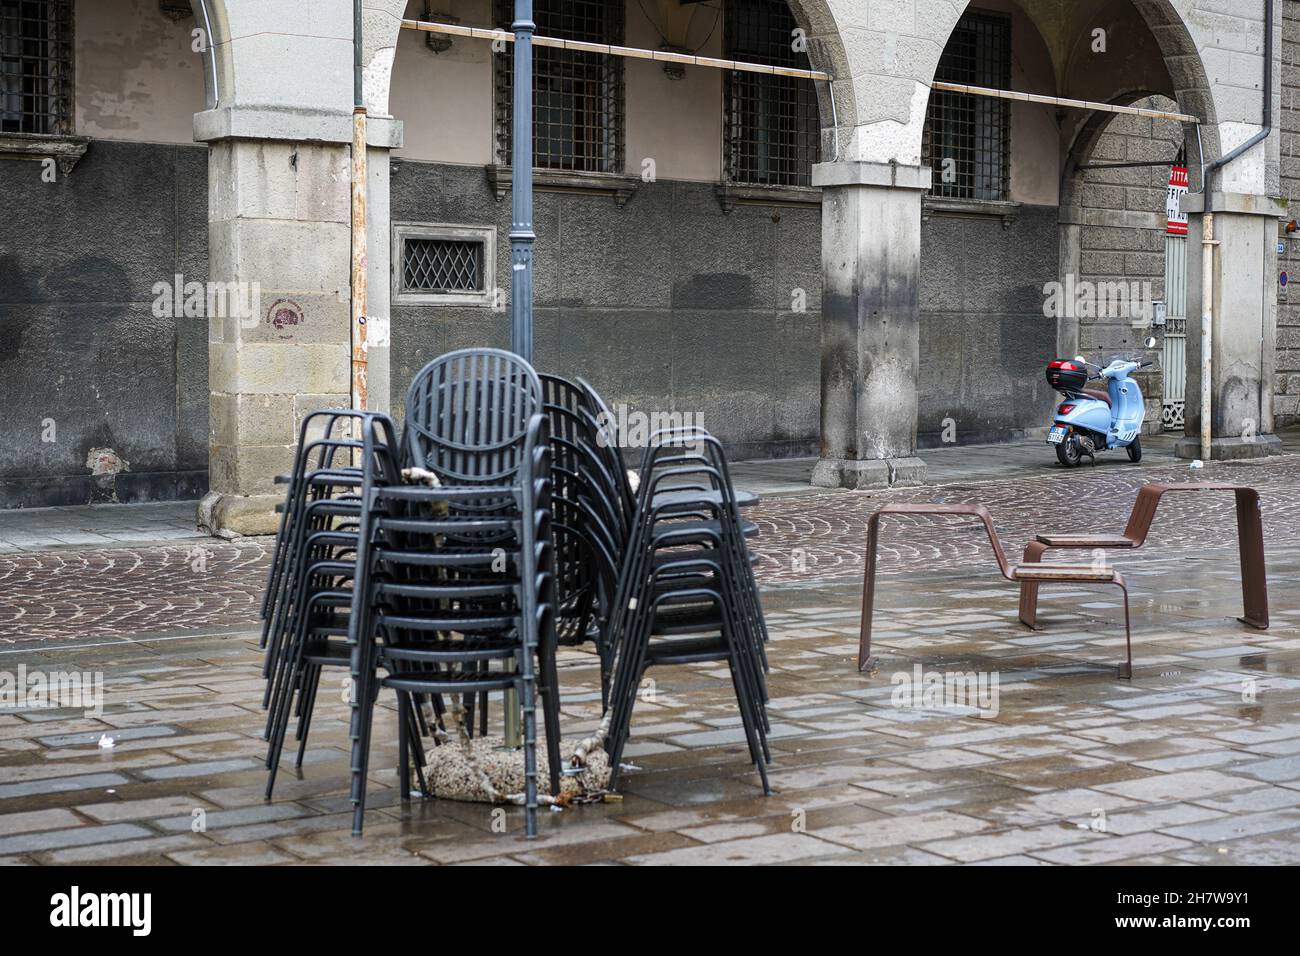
[[686, 591], [309, 587], [591, 504], [455, 589]]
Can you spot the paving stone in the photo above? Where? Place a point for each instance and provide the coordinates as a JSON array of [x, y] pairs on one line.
[[1281, 770], [892, 831], [77, 836], [208, 768], [1238, 826], [1125, 822], [989, 846], [777, 848], [13, 823], [1282, 849], [242, 854], [1184, 785], [46, 787], [1115, 848], [219, 819], [116, 853]]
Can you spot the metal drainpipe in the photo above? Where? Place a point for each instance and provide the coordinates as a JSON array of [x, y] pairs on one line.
[[1208, 241], [360, 383]]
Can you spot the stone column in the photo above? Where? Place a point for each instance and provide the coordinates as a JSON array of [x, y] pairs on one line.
[[279, 221], [1245, 324], [279, 140], [1071, 258], [871, 262]]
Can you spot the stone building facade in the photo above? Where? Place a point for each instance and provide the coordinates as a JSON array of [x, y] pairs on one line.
[[809, 284]]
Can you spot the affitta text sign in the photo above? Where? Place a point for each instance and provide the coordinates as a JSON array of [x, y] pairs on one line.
[[1178, 185]]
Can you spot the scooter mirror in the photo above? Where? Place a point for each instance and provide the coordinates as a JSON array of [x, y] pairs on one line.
[[1150, 342]]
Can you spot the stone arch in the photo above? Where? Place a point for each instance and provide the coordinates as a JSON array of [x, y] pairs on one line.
[[836, 100], [1190, 81]]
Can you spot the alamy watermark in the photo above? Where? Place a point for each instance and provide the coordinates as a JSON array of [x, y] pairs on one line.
[[946, 690], [1083, 299], [179, 299], [46, 690], [635, 429]]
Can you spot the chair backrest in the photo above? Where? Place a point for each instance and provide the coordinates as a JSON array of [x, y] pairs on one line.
[[467, 415]]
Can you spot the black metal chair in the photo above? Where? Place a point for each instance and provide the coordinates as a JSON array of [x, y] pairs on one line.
[[685, 590], [456, 579], [308, 595]]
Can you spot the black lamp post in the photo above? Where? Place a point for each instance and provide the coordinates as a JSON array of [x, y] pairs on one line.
[[522, 236]]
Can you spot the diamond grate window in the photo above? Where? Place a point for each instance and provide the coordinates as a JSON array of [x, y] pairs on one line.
[[442, 265], [773, 130], [967, 141], [36, 66], [577, 96]]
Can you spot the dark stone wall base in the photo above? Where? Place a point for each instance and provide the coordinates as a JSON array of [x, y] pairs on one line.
[[125, 488]]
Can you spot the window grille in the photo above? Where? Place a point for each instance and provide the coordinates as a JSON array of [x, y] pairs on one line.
[[36, 66], [442, 265], [577, 96], [966, 141], [773, 131]]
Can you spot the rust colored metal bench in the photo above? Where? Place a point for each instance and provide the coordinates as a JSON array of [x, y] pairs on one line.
[[1250, 545], [1038, 572]]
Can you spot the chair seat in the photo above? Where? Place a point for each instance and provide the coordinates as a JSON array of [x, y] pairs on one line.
[[1086, 540], [693, 619], [450, 651], [692, 532], [1062, 572], [693, 650], [713, 497]]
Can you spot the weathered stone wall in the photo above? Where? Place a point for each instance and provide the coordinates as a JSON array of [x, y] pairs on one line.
[[1286, 398], [85, 361], [984, 339], [666, 304]]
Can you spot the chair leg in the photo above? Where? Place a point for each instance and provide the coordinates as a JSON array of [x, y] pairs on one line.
[[362, 715], [1029, 589], [404, 747], [527, 688], [550, 687], [1126, 669], [308, 706], [1250, 546]]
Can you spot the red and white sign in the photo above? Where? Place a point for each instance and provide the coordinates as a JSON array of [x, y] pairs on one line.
[[1178, 186]]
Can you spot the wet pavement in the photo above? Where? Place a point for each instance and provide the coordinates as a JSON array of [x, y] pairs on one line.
[[976, 741]]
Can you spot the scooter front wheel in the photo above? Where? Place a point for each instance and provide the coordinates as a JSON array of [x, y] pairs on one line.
[[1067, 452], [1135, 451]]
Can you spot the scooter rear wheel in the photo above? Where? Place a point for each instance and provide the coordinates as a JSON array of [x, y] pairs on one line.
[[1135, 451], [1068, 453]]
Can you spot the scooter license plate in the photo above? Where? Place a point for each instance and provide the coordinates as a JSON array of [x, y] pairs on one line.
[[1056, 435]]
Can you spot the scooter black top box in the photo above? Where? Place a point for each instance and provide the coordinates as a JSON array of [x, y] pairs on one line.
[[1067, 376]]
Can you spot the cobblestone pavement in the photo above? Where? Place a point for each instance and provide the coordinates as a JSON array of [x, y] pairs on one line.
[[1194, 761], [205, 584]]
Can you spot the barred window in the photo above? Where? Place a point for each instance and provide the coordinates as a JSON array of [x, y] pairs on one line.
[[36, 66], [577, 96], [772, 127], [966, 141], [435, 264]]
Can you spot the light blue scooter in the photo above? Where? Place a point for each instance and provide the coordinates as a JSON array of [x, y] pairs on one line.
[[1090, 420]]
